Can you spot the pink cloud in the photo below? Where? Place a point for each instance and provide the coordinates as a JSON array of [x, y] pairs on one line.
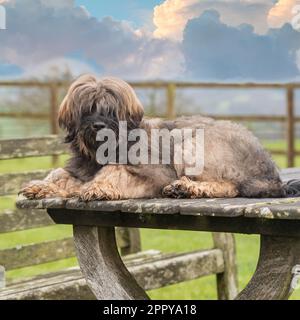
[[281, 13]]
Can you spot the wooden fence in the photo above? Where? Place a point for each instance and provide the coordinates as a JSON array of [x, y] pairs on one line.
[[170, 87]]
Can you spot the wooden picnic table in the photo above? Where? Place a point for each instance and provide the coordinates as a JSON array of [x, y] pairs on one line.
[[277, 221]]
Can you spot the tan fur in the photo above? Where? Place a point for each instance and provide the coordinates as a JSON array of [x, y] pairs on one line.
[[107, 93], [186, 188], [235, 163], [57, 184]]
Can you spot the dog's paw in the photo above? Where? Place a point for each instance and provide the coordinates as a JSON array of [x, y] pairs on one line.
[[95, 191], [179, 189], [41, 190]]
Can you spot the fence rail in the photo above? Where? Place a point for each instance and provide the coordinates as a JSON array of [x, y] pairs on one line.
[[170, 87]]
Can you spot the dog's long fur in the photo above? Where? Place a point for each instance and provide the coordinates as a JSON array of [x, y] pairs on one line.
[[235, 162]]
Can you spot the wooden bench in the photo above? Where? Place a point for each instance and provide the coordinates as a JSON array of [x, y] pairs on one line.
[[277, 221], [152, 269]]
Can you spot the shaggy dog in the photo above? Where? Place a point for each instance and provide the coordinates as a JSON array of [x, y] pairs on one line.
[[235, 163]]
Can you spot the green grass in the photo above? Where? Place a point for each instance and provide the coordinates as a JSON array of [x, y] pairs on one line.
[[166, 241]]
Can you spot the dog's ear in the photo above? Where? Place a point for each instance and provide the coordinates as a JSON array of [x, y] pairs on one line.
[[79, 95]]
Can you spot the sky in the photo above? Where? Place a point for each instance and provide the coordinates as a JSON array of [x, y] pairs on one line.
[[135, 11], [204, 40]]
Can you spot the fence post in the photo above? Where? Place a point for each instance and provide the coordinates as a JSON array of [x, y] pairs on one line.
[[2, 277], [227, 282], [53, 115], [290, 126], [171, 95]]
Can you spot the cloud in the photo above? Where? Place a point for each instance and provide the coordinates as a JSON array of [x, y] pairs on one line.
[[281, 13], [171, 17], [57, 67], [58, 35], [42, 30], [216, 51]]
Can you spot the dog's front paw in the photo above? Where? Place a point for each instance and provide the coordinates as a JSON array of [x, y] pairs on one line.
[[95, 191], [41, 190], [178, 189]]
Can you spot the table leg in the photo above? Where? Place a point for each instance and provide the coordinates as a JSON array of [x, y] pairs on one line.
[[102, 266], [276, 272]]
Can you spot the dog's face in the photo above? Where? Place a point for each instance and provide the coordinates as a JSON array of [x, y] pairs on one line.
[[91, 105]]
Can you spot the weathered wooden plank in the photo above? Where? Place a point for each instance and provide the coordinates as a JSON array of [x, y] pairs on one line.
[[251, 208], [178, 268], [215, 207], [290, 125], [279, 227], [67, 286], [102, 267], [149, 268], [16, 220], [128, 240], [274, 275], [283, 208], [160, 84], [194, 207], [286, 171], [227, 281], [132, 259], [21, 148], [107, 206], [11, 183], [156, 206], [41, 204], [290, 174], [28, 255]]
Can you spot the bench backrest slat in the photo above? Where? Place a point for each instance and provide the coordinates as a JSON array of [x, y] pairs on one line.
[[28, 255], [18, 220], [34, 147], [11, 183]]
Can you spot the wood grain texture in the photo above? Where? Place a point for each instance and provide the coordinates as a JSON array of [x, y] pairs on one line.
[[34, 147], [17, 220], [175, 268], [273, 276], [11, 183], [128, 240], [49, 251], [32, 254], [275, 208], [227, 281], [102, 266], [149, 268]]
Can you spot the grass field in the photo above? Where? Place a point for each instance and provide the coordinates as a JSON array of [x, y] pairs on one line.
[[166, 241]]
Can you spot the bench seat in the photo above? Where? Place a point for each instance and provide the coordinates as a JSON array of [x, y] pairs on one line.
[[152, 269]]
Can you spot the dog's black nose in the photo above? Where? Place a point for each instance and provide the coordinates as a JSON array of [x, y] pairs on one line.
[[98, 125]]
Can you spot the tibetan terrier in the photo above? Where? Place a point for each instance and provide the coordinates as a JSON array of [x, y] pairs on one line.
[[235, 164]]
